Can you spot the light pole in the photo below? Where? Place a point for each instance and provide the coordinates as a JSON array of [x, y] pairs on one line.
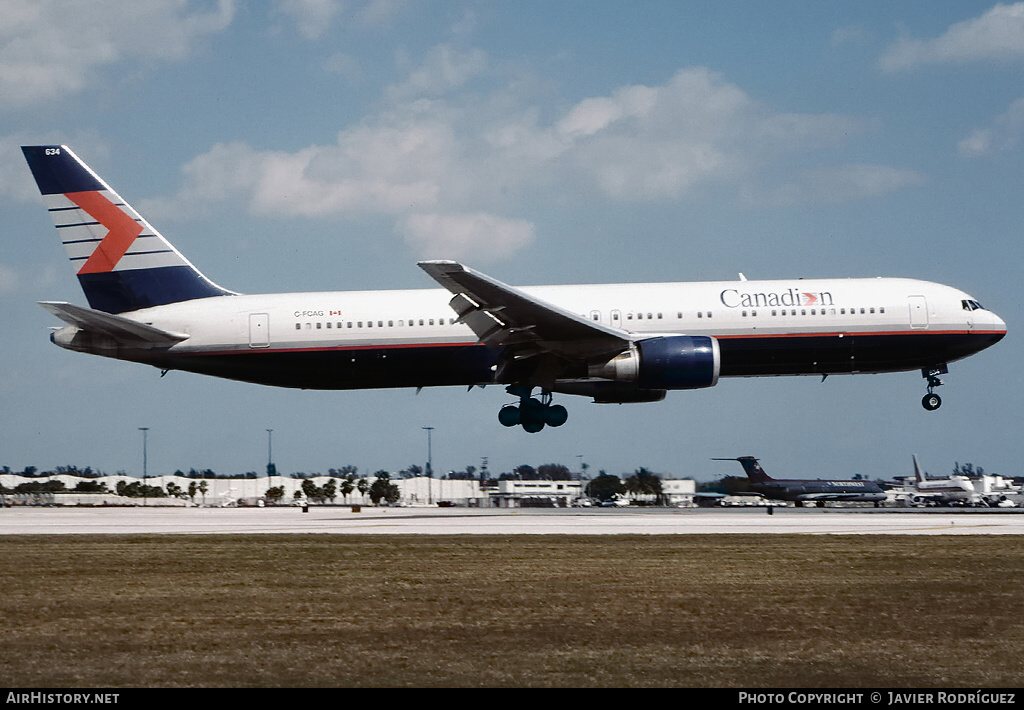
[[583, 476], [430, 468], [270, 455], [145, 431]]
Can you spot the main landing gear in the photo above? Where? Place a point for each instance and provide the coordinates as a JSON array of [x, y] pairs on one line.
[[531, 413], [932, 401]]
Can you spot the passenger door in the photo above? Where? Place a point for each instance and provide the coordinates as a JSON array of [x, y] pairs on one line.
[[918, 311], [259, 330]]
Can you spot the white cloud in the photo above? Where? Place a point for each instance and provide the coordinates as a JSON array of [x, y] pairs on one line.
[[312, 18], [380, 13], [444, 69], [345, 65], [996, 35], [651, 143], [840, 183], [50, 48], [8, 279], [851, 34], [1001, 136], [479, 237], [448, 161]]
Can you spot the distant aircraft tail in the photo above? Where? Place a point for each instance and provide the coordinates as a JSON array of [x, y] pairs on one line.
[[752, 468], [123, 264], [918, 474]]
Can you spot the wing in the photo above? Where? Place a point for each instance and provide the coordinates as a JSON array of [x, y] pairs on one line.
[[123, 330], [500, 314]]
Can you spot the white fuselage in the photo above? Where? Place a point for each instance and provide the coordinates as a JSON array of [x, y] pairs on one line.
[[366, 318], [785, 327]]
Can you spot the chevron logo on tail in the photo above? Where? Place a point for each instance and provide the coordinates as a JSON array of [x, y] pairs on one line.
[[122, 234]]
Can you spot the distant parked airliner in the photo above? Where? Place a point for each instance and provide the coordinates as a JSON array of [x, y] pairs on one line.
[[612, 342], [806, 490]]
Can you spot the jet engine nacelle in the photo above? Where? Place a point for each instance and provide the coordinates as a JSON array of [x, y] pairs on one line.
[[672, 362]]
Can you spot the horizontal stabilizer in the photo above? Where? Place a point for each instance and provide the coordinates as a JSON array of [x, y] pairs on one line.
[[123, 330]]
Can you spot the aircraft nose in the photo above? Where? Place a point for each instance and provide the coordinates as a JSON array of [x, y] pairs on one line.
[[998, 323]]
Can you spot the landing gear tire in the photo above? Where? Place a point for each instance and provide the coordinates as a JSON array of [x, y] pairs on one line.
[[509, 415], [532, 414], [555, 415], [932, 401]]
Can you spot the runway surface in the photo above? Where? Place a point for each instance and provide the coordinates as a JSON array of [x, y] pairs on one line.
[[472, 521]]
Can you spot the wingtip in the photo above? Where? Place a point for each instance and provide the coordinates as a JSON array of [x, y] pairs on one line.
[[436, 263]]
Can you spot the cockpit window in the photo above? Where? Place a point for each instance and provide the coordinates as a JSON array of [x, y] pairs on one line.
[[969, 305]]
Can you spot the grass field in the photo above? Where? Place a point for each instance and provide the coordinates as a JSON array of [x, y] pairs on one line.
[[427, 611]]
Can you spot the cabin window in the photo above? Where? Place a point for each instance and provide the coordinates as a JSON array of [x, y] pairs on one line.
[[391, 324], [700, 314], [319, 325], [298, 326]]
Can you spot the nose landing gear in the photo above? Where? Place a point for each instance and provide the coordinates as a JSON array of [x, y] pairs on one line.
[[932, 401], [532, 414]]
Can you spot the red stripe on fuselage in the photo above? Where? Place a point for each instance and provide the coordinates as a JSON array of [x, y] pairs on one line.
[[857, 333], [122, 230], [330, 348]]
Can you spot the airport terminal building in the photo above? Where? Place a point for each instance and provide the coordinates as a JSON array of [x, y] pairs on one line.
[[417, 491]]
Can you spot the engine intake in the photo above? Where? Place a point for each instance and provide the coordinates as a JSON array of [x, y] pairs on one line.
[[673, 362]]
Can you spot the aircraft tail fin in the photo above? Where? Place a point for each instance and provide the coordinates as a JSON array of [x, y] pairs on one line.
[[123, 263], [752, 468], [918, 474]]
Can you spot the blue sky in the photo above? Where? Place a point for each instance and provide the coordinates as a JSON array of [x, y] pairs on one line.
[[327, 145]]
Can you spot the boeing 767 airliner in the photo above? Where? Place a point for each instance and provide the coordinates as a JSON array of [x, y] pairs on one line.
[[612, 342]]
